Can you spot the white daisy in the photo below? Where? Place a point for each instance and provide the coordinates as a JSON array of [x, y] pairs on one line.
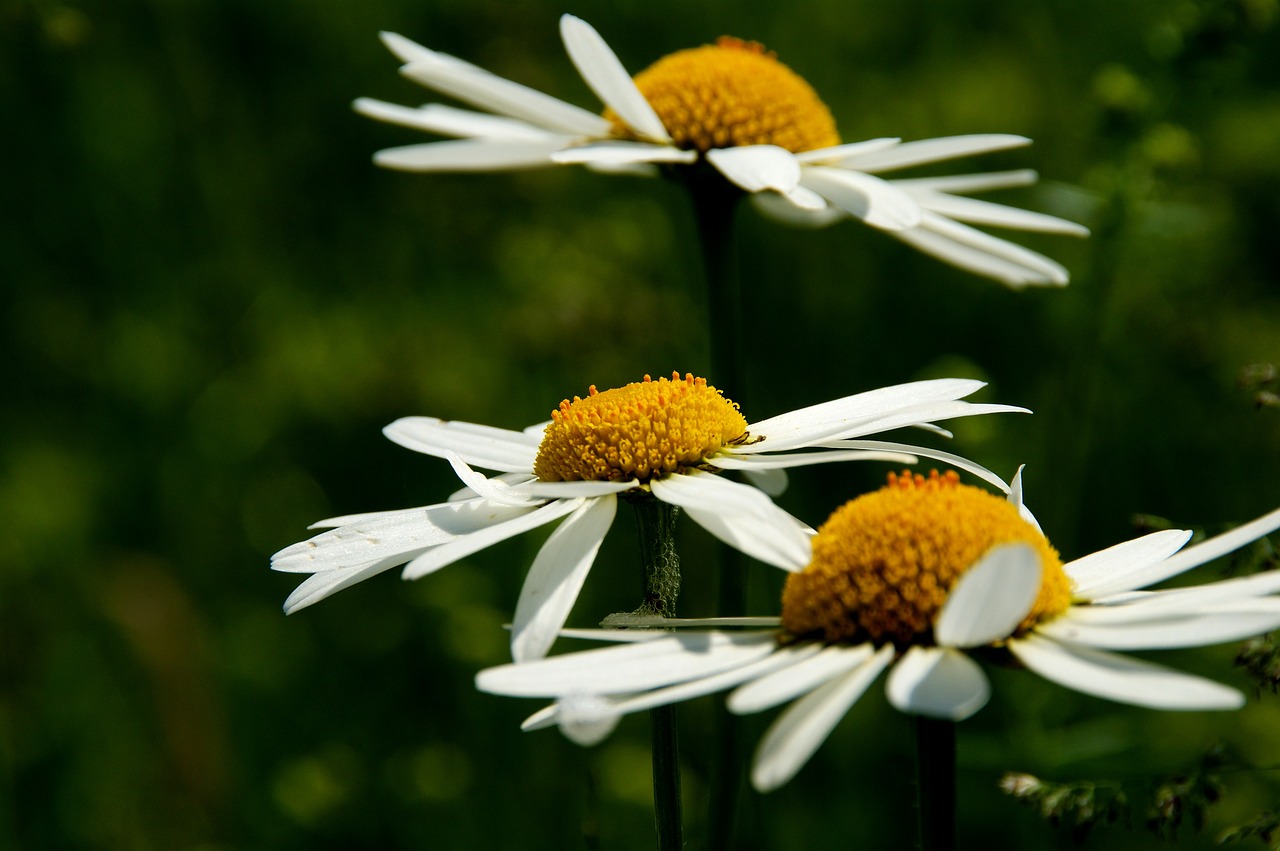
[[664, 438], [916, 576], [731, 107]]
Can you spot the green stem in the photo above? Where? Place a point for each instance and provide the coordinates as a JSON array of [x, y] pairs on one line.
[[714, 202], [655, 523], [936, 782]]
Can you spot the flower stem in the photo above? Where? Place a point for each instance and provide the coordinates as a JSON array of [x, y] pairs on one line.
[[714, 202], [655, 523], [936, 782]]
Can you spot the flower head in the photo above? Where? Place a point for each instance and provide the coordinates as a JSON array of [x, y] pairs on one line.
[[732, 107], [911, 578], [665, 439]]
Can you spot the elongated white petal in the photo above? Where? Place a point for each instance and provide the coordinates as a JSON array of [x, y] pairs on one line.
[[629, 668], [800, 212], [995, 247], [997, 215], [484, 446], [1193, 556], [860, 407], [491, 489], [990, 599], [806, 724], [621, 152], [1178, 602], [520, 479], [450, 121], [474, 85], [926, 452], [806, 674], [963, 184], [1015, 499], [939, 683], [557, 574], [772, 482], [603, 72], [777, 460], [1121, 678], [1108, 571], [447, 554], [716, 682], [871, 199], [620, 636], [568, 490], [632, 621], [838, 153], [315, 588], [739, 515], [392, 534], [1230, 622], [586, 719], [933, 150], [978, 261], [470, 155], [756, 168]]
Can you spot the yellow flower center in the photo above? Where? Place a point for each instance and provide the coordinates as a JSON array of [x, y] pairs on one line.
[[884, 563], [730, 94], [641, 431]]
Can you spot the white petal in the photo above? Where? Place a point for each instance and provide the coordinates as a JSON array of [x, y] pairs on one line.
[[474, 85], [973, 260], [449, 121], [470, 155], [772, 482], [520, 479], [630, 621], [557, 574], [484, 446], [998, 215], [629, 668], [1108, 571], [934, 150], [783, 209], [715, 682], [871, 199], [990, 599], [1194, 556], [939, 683], [805, 725], [1015, 499], [803, 676], [739, 515], [1178, 602], [1231, 623], [446, 554], [568, 490], [1030, 260], [621, 152], [493, 490], [620, 636], [782, 460], [926, 452], [837, 154], [395, 534], [586, 719], [1121, 678], [793, 428], [963, 184], [602, 71], [806, 200], [315, 588], [756, 168]]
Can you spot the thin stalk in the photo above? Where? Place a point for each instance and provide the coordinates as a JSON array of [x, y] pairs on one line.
[[936, 783], [714, 202], [655, 523]]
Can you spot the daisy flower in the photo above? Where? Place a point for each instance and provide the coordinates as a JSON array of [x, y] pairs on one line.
[[734, 108], [915, 578], [664, 439]]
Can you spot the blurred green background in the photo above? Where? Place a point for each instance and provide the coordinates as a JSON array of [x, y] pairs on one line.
[[213, 302]]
